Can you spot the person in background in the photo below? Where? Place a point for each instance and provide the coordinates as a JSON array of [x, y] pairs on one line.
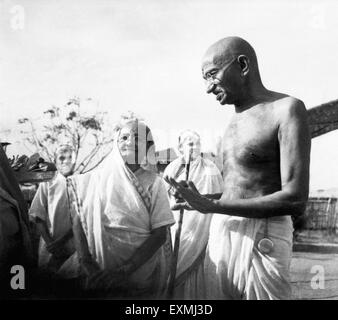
[[50, 212], [190, 281]]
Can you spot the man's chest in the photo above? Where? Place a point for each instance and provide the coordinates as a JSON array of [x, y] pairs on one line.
[[250, 141]]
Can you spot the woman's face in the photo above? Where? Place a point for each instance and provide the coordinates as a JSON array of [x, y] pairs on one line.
[[131, 146], [127, 143], [65, 163]]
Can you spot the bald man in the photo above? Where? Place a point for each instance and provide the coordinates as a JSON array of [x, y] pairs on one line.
[[266, 152]]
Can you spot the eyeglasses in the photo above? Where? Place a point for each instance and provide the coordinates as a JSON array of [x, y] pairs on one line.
[[212, 80]]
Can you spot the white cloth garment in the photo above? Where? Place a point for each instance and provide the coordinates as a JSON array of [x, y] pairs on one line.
[[234, 266], [50, 204], [118, 209], [190, 282]]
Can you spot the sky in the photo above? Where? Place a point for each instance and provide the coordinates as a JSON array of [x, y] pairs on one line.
[[145, 56]]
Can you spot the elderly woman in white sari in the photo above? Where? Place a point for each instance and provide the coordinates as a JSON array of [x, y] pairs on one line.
[[190, 282], [121, 218]]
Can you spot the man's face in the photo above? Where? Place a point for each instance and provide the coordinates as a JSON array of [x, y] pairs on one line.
[[190, 142], [65, 163], [221, 78]]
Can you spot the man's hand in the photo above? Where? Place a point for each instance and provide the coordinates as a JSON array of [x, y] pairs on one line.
[[181, 205], [194, 200]]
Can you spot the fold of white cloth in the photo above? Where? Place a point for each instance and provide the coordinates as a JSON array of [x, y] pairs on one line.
[[118, 210], [234, 266], [50, 204], [189, 283]]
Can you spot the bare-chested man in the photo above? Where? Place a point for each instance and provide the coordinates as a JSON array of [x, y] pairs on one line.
[[266, 151]]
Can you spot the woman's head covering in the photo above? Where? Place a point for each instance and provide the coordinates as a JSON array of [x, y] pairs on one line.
[[64, 148], [192, 137], [112, 197], [146, 156]]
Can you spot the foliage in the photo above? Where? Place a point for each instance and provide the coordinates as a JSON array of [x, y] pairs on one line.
[[90, 136]]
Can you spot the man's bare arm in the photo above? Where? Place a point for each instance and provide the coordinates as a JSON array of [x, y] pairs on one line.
[[295, 142], [214, 196]]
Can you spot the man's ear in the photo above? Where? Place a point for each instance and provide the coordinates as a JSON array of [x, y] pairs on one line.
[[244, 64]]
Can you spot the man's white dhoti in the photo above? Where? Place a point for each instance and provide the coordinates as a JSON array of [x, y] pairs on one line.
[[236, 269]]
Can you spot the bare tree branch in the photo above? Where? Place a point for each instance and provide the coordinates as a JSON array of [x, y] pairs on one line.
[[77, 129]]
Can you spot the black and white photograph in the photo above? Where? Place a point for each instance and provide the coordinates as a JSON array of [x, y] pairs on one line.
[[182, 151]]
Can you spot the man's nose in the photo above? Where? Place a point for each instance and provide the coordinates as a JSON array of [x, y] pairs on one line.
[[211, 86]]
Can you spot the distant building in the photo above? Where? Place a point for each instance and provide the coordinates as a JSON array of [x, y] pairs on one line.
[[321, 212]]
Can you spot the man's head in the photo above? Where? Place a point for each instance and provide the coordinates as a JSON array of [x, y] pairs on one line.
[[189, 140], [229, 68], [65, 159]]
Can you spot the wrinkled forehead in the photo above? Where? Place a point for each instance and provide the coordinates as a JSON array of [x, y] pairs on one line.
[[215, 58], [207, 61]]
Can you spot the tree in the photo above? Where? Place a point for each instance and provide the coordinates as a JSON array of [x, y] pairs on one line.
[[90, 135]]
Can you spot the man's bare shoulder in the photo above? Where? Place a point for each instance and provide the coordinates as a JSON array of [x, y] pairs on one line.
[[288, 108]]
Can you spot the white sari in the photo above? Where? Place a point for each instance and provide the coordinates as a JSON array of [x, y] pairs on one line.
[[118, 210], [190, 282]]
